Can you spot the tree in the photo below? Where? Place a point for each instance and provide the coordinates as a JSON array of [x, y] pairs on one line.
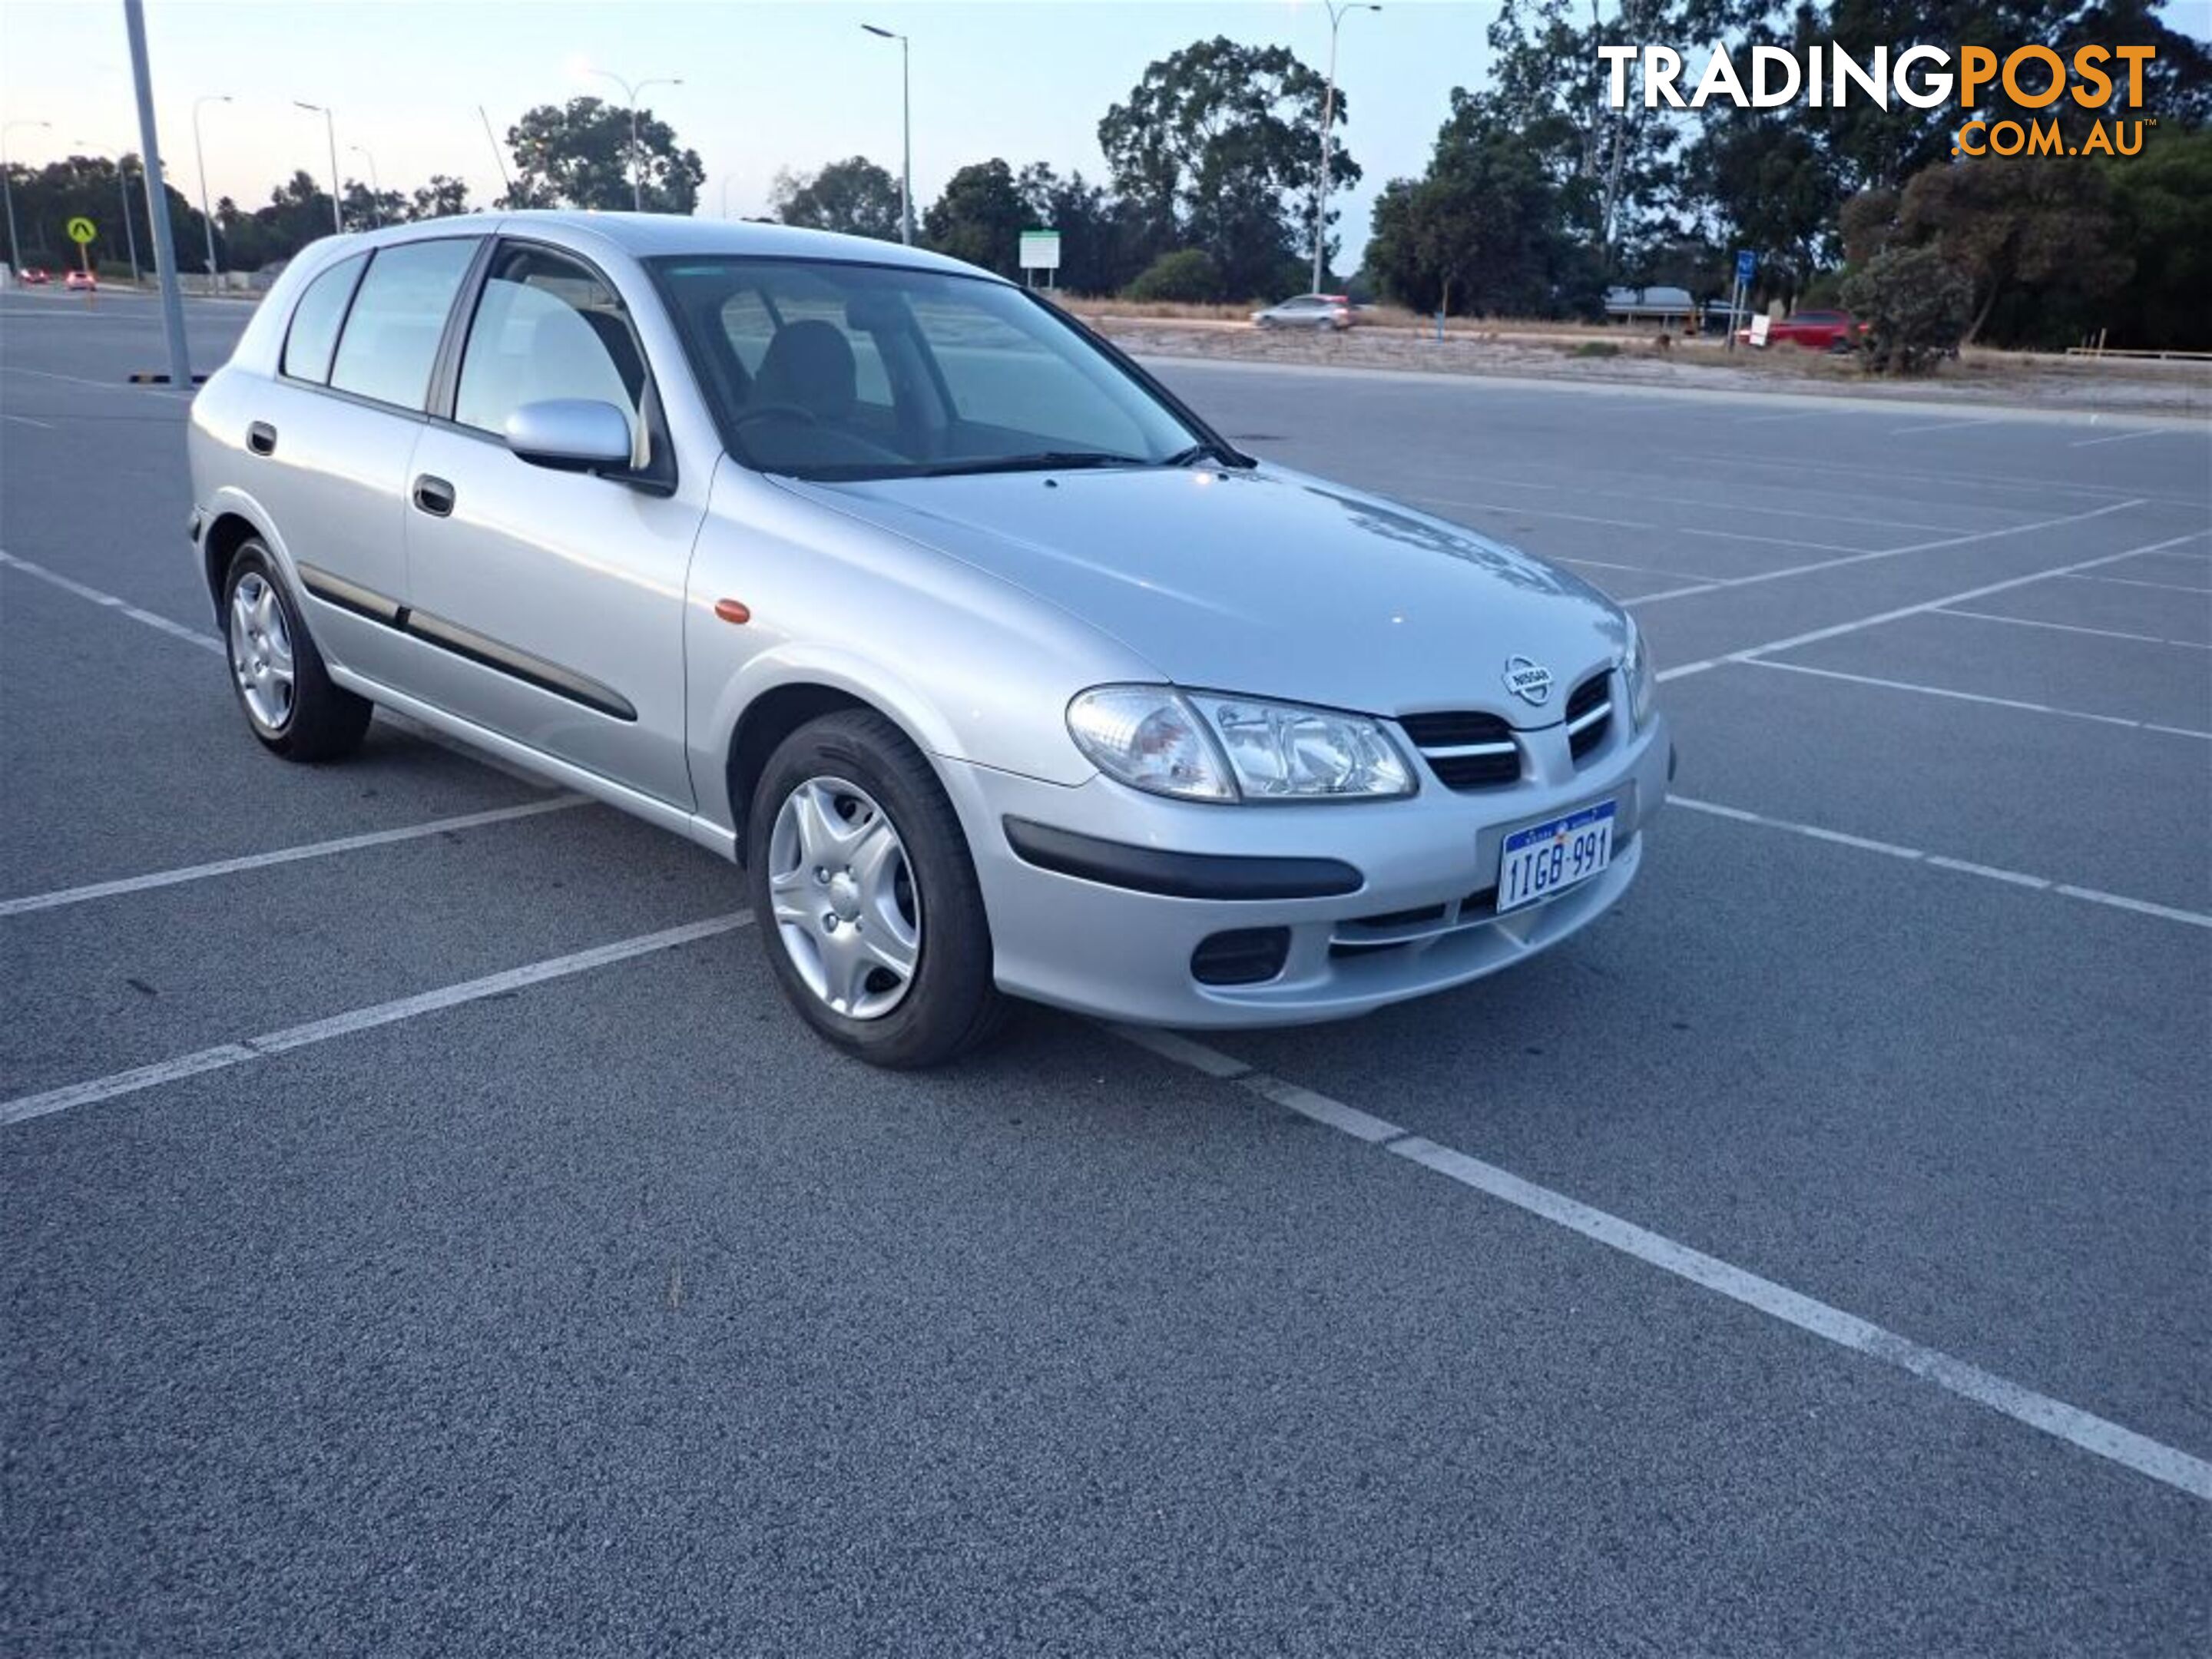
[[1484, 231], [2162, 200], [1102, 244], [443, 197], [1218, 147], [1918, 304], [367, 210], [854, 197], [979, 218], [2017, 223], [579, 155], [1613, 168], [1187, 276]]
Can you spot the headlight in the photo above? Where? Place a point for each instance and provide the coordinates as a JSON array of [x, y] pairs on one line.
[[1643, 682], [1211, 748]]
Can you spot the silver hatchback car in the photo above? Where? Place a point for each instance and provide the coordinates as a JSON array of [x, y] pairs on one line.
[[994, 668]]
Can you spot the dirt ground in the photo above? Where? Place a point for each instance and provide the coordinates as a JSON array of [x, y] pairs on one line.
[[2146, 386]]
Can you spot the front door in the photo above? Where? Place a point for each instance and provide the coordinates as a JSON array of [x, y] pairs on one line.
[[549, 606]]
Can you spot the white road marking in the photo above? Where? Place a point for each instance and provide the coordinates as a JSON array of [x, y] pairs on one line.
[[1945, 426], [1952, 481], [1580, 488], [25, 1107], [1640, 570], [101, 889], [211, 642], [1681, 671], [1960, 540], [1530, 512], [1916, 855], [2072, 627], [1770, 420], [174, 629], [97, 385], [1973, 697], [2137, 582], [2120, 437], [25, 420], [2100, 1437]]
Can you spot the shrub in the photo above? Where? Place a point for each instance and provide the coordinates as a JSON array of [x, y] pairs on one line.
[[1595, 349], [1919, 305], [1188, 275]]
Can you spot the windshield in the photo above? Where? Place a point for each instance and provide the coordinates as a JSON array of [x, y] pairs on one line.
[[822, 369]]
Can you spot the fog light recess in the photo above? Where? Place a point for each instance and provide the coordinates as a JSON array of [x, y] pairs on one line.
[[1242, 956]]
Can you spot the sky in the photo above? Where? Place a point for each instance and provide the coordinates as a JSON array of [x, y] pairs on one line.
[[768, 84]]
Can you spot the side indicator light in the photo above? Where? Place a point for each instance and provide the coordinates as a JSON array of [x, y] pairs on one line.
[[731, 611]]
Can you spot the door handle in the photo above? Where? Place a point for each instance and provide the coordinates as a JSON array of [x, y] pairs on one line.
[[261, 438], [433, 495]]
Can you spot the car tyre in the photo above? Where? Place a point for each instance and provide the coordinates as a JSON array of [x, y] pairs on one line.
[[838, 773], [291, 703]]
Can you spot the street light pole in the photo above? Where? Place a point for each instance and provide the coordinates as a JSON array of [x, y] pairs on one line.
[[157, 198], [1336, 13], [199, 154], [331, 132], [630, 92], [375, 185], [130, 235], [8, 193], [905, 127]]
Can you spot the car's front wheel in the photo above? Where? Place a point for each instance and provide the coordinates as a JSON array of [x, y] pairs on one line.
[[867, 898], [289, 700]]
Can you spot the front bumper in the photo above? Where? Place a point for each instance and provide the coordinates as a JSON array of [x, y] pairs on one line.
[[1093, 938]]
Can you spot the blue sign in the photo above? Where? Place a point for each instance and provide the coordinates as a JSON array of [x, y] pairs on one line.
[[1746, 261]]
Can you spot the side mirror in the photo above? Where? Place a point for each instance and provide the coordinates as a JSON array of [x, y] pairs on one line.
[[571, 434]]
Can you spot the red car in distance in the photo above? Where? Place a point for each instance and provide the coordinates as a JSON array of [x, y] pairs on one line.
[[34, 277], [1815, 330], [80, 282]]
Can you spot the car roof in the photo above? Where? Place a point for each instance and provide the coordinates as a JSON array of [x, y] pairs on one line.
[[653, 235]]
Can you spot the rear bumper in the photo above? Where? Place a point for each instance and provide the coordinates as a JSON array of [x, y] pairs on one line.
[[1098, 896]]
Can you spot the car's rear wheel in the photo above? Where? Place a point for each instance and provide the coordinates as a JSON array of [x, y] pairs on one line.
[[291, 703], [865, 895]]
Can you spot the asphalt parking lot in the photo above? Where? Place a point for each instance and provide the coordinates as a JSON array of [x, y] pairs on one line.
[[423, 1229]]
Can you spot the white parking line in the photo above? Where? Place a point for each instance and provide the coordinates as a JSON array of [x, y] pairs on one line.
[[2137, 582], [1974, 696], [25, 1107], [101, 889], [1961, 540], [1945, 426], [2168, 1465], [1530, 512], [1640, 570], [2074, 628], [2120, 437], [97, 385], [1581, 489], [1682, 671], [1917, 855], [44, 426], [174, 630]]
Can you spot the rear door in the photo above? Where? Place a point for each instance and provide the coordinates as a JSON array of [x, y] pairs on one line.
[[328, 438], [549, 606]]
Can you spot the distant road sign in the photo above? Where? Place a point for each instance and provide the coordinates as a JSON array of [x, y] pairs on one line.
[[81, 230], [1040, 250], [1747, 266]]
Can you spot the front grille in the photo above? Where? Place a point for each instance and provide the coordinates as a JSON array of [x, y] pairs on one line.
[[1465, 748], [1590, 713]]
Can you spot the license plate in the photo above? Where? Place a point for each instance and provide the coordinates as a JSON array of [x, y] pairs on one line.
[[1549, 857]]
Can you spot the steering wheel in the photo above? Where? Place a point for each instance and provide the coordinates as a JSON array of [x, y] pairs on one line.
[[763, 411]]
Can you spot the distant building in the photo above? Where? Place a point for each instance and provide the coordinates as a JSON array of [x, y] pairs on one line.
[[1669, 307]]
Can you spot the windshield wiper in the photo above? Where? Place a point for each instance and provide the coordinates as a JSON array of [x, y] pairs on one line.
[[1221, 453], [1043, 460]]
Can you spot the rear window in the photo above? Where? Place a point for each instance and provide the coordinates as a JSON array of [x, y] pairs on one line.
[[398, 317], [314, 332]]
